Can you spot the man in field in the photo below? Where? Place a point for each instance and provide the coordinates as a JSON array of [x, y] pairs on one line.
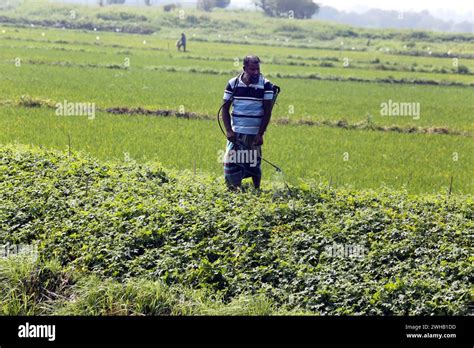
[[181, 43], [251, 96]]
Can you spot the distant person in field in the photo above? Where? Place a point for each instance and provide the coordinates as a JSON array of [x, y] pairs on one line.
[[181, 43], [251, 96]]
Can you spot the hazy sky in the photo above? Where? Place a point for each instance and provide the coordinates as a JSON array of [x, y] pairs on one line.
[[406, 5]]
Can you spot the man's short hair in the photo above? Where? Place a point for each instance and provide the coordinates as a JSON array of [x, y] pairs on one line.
[[251, 59]]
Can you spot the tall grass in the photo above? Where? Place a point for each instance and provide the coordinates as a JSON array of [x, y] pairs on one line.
[[34, 287]]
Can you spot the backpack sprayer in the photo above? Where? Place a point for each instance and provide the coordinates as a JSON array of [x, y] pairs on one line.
[[276, 91]]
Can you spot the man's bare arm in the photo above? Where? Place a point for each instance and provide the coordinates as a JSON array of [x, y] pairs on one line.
[[226, 118], [267, 114]]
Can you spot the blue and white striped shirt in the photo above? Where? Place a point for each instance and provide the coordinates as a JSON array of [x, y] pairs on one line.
[[247, 106]]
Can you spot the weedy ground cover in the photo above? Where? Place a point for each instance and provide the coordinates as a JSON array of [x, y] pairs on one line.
[[408, 254]]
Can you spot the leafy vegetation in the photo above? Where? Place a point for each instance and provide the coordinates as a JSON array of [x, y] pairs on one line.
[[130, 222]]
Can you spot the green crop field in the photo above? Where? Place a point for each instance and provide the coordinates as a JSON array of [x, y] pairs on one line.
[[158, 78], [410, 161], [145, 173]]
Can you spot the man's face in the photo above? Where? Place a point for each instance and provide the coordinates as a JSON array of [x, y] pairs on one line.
[[253, 72]]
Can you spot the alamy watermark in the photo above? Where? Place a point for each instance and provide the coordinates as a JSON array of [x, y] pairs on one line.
[[37, 331], [8, 250], [392, 108], [238, 156], [345, 250], [75, 109]]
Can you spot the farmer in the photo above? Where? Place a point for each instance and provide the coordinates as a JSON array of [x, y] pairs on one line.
[[181, 43], [251, 96]]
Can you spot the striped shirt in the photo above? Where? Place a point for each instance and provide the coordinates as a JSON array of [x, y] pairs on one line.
[[247, 106]]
